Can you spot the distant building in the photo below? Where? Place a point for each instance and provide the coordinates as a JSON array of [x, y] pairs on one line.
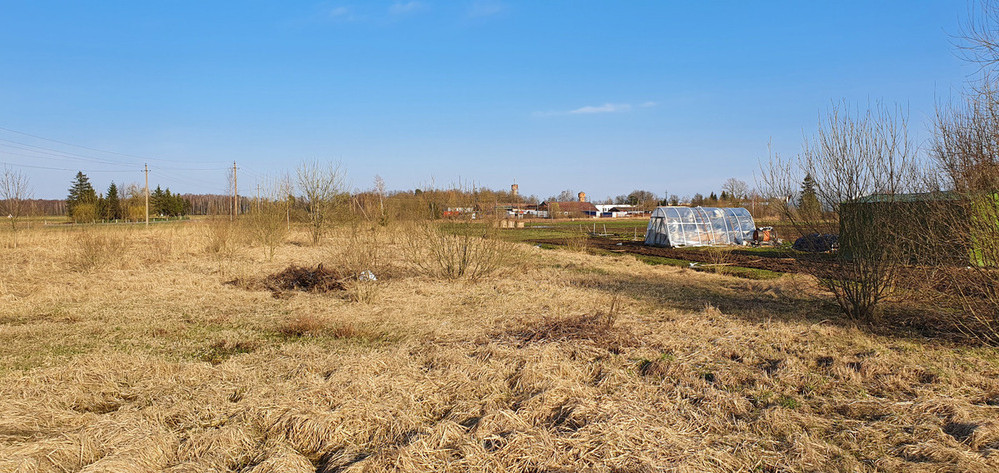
[[569, 209], [510, 209]]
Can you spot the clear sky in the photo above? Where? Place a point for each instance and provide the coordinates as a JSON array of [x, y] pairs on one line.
[[604, 97]]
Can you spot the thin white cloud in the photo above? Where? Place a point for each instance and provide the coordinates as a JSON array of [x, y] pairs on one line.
[[403, 8], [340, 13], [596, 109], [605, 108], [484, 8]]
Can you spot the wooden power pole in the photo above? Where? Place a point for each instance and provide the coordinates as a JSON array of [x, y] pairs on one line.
[[147, 194], [235, 208]]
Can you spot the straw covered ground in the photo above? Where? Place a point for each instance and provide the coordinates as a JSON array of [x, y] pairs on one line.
[[160, 350]]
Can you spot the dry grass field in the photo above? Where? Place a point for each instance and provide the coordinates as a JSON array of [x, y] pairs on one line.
[[173, 349]]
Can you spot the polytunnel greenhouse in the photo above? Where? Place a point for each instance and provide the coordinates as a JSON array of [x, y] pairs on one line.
[[699, 226]]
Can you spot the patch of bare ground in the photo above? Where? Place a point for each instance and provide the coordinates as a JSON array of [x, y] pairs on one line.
[[572, 363]]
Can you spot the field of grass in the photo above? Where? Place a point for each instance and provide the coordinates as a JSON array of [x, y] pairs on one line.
[[131, 349]]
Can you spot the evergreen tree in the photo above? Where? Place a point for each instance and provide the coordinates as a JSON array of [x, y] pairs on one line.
[[713, 198], [808, 202], [156, 201], [102, 208], [81, 192], [112, 204]]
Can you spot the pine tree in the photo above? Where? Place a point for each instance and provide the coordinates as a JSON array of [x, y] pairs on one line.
[[81, 192], [156, 201], [113, 204], [808, 202]]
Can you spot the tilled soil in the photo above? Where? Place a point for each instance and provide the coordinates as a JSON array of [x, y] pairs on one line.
[[809, 264], [943, 280]]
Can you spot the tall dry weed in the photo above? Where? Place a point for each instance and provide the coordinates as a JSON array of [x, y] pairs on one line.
[[221, 241], [361, 252], [719, 258], [578, 241], [97, 248]]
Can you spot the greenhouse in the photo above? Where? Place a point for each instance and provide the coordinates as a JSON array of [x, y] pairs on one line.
[[699, 226]]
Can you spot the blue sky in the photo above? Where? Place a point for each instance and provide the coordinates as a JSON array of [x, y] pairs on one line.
[[603, 97]]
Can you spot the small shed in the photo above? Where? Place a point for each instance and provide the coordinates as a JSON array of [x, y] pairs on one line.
[[699, 226], [933, 228]]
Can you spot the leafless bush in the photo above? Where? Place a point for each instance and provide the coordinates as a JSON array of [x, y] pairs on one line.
[[14, 195], [322, 189], [361, 255], [719, 258], [452, 251], [578, 241], [221, 239], [269, 218], [95, 249], [854, 158], [966, 217]]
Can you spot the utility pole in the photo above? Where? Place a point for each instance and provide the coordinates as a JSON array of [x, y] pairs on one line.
[[147, 193], [235, 209]]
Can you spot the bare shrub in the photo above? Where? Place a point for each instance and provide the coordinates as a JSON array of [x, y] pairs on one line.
[[719, 258], [578, 241], [853, 157], [269, 217], [456, 251], [322, 189], [966, 215], [360, 256], [97, 249], [14, 195], [221, 240]]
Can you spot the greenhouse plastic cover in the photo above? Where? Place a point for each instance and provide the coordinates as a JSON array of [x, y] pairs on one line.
[[699, 226]]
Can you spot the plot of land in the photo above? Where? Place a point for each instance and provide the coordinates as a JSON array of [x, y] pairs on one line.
[[164, 357]]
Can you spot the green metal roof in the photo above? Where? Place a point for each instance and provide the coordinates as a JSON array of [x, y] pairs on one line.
[[914, 197]]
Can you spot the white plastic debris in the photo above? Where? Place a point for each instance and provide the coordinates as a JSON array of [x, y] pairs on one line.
[[366, 276]]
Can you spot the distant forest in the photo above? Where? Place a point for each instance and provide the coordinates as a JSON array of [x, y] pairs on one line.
[[201, 204]]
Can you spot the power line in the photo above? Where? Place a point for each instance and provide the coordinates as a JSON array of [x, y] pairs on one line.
[[105, 160], [141, 158], [52, 152], [62, 169], [56, 155]]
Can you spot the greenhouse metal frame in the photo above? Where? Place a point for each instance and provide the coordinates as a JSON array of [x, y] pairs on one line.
[[699, 226]]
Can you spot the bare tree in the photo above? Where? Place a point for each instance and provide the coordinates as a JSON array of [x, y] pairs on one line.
[[859, 162], [14, 195], [736, 189], [322, 189], [979, 39]]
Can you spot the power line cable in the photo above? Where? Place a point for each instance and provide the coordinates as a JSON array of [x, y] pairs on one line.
[[61, 169], [52, 152], [87, 147]]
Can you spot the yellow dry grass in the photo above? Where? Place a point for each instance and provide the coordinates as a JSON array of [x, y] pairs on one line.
[[155, 360]]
